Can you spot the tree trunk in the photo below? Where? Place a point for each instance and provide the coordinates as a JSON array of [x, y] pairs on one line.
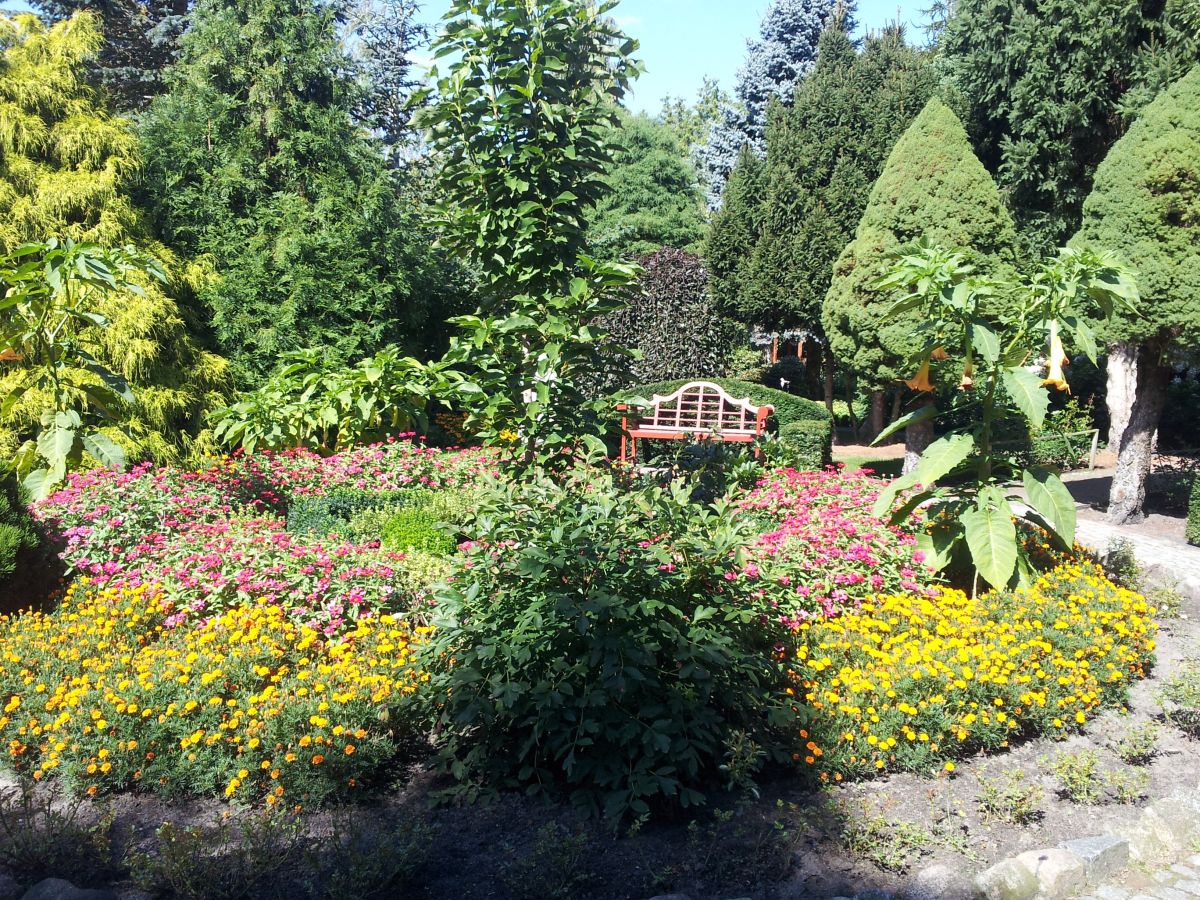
[[851, 395], [1122, 386], [897, 406], [878, 411], [917, 437], [1137, 442], [829, 373]]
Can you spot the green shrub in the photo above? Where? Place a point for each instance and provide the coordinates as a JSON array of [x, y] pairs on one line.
[[332, 513], [808, 443], [1193, 515], [417, 528], [788, 407], [19, 539], [602, 644]]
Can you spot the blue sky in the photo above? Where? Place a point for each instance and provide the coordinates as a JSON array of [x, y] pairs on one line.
[[685, 40]]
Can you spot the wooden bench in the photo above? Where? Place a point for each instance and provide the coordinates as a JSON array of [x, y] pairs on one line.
[[700, 410]]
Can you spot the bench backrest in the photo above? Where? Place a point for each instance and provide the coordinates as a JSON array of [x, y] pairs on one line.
[[703, 407]]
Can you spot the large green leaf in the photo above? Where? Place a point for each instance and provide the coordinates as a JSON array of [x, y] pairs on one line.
[[1050, 497], [942, 457], [104, 450], [985, 340], [991, 537], [1028, 392], [921, 414]]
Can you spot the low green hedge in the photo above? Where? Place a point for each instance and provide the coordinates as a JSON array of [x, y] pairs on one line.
[[808, 443], [331, 513], [788, 407]]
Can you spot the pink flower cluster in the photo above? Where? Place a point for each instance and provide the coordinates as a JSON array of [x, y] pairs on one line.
[[213, 539], [821, 551]]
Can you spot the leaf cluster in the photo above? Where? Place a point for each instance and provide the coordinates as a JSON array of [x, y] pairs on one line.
[[591, 644]]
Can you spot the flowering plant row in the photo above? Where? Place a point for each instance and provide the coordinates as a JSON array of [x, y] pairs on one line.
[[820, 552], [214, 539], [251, 706], [909, 682]]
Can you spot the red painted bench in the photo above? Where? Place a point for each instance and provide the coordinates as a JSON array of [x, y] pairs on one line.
[[700, 410]]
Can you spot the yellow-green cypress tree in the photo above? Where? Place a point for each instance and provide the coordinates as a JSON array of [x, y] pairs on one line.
[[67, 166]]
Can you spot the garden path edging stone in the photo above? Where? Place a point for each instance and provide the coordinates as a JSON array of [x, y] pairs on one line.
[[1165, 829]]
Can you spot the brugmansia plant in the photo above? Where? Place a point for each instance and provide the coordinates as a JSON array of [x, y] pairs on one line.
[[523, 120], [313, 401], [1002, 333], [51, 293]]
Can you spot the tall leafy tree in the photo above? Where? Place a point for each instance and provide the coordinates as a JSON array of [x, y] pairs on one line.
[[823, 156], [523, 122], [67, 167], [776, 61], [932, 187], [1146, 206], [1051, 85], [254, 160], [656, 199], [141, 39]]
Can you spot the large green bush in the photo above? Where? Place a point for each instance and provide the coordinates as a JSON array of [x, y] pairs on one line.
[[808, 443], [788, 407], [595, 642], [18, 539]]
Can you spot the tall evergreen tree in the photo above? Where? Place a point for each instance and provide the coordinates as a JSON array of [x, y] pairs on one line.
[[932, 187], [656, 199], [255, 161], [141, 39], [1051, 85], [775, 63], [66, 170], [1146, 207], [734, 233], [823, 156]]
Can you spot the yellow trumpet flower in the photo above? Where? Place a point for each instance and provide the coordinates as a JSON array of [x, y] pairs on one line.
[[939, 354], [1058, 358], [920, 382]]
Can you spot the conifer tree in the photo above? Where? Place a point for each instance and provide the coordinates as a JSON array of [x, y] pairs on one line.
[[734, 233], [823, 156], [141, 39], [66, 170], [656, 199], [254, 160], [932, 187], [1050, 86], [1146, 206], [776, 61]]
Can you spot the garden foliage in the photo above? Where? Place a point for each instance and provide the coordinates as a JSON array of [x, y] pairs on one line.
[[540, 80], [1049, 88], [18, 537], [932, 187], [670, 319], [776, 62], [601, 647], [788, 407], [1145, 206], [254, 160], [67, 170], [996, 328], [655, 201], [823, 154], [1193, 515]]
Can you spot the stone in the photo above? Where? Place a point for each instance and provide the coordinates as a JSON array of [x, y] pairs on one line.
[[1103, 855], [1192, 887], [1181, 814], [1195, 860], [1007, 880], [1059, 872], [671, 897], [939, 882], [57, 889], [1169, 893], [1110, 892], [1185, 871], [869, 894], [9, 889], [1150, 838]]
